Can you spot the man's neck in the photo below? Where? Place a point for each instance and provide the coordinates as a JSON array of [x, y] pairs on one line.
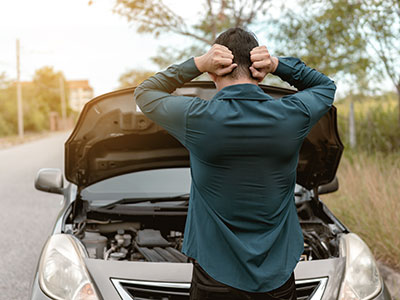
[[226, 81]]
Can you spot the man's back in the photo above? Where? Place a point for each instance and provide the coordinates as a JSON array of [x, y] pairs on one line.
[[243, 159], [242, 225]]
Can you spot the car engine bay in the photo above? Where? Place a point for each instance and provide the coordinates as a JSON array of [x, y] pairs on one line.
[[158, 237]]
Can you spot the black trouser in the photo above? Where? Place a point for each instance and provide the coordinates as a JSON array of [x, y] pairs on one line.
[[204, 287]]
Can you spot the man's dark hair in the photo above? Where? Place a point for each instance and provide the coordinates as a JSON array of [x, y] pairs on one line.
[[240, 42]]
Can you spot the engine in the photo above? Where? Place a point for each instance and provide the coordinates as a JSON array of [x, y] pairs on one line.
[[129, 243], [159, 238], [150, 245]]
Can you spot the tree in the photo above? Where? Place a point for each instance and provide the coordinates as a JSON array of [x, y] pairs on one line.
[[324, 35], [40, 97], [44, 98], [346, 37], [8, 107], [46, 92], [380, 27], [133, 77], [155, 17]]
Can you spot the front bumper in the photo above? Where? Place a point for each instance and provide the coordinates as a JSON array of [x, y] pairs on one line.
[[109, 276]]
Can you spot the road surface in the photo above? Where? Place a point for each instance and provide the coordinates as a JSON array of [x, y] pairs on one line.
[[26, 215]]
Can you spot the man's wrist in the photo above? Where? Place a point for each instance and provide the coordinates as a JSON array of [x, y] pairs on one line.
[[198, 61], [275, 61]]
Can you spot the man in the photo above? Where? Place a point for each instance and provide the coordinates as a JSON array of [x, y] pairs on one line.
[[242, 229]]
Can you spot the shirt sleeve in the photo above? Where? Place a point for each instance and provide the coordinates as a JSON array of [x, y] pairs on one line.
[[154, 98], [316, 91]]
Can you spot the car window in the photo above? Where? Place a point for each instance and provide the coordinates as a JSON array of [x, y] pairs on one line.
[[157, 183], [151, 183]]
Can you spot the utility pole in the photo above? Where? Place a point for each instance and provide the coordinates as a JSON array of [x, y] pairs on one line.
[[19, 98], [63, 104]]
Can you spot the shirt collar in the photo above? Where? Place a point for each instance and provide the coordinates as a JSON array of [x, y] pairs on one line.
[[243, 91]]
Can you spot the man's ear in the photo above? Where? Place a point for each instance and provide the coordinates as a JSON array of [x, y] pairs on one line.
[[212, 76]]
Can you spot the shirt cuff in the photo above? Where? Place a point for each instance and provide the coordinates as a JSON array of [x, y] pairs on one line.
[[285, 66], [188, 70]]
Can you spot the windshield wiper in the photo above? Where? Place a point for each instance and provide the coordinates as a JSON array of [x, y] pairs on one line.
[[145, 199]]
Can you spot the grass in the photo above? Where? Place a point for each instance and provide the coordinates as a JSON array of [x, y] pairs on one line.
[[376, 123], [366, 105], [368, 202]]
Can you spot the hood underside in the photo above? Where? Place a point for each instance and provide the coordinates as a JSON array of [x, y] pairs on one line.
[[112, 137]]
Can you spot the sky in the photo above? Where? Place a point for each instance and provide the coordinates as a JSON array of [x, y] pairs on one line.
[[81, 40], [85, 41]]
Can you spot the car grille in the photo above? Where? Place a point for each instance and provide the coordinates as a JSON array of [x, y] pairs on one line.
[[311, 289]]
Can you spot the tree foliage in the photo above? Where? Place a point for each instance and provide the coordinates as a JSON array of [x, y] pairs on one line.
[[381, 29], [39, 97], [46, 92], [353, 37], [133, 78], [155, 17], [325, 35], [358, 39], [8, 107]]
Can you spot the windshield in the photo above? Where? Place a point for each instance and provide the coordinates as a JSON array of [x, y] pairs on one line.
[[159, 183], [145, 184]]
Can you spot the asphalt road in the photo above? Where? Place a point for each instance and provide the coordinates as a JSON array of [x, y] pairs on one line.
[[26, 215]]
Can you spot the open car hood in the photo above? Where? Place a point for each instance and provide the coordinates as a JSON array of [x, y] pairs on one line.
[[112, 137]]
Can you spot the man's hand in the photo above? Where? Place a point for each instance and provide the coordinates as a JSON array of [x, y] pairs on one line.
[[263, 62], [218, 60]]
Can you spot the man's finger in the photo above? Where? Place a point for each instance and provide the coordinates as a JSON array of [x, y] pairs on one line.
[[259, 49], [259, 76], [260, 57], [261, 64], [223, 52], [223, 61], [255, 72], [226, 55], [226, 70], [221, 47]]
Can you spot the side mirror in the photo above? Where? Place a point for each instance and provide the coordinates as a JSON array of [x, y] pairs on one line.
[[50, 180], [330, 187]]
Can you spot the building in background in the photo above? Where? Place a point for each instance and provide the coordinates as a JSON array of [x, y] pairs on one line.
[[80, 92]]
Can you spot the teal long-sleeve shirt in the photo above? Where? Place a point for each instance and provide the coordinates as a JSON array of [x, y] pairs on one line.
[[242, 225]]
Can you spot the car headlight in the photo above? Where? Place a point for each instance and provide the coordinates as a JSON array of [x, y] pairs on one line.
[[361, 279], [62, 273]]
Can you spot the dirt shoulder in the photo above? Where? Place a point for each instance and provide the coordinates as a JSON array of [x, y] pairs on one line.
[[10, 141]]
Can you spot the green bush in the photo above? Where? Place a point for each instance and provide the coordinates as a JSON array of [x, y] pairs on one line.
[[376, 124], [5, 127], [40, 97]]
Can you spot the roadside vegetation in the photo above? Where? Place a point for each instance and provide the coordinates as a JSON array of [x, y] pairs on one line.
[[368, 200], [375, 117], [41, 96]]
